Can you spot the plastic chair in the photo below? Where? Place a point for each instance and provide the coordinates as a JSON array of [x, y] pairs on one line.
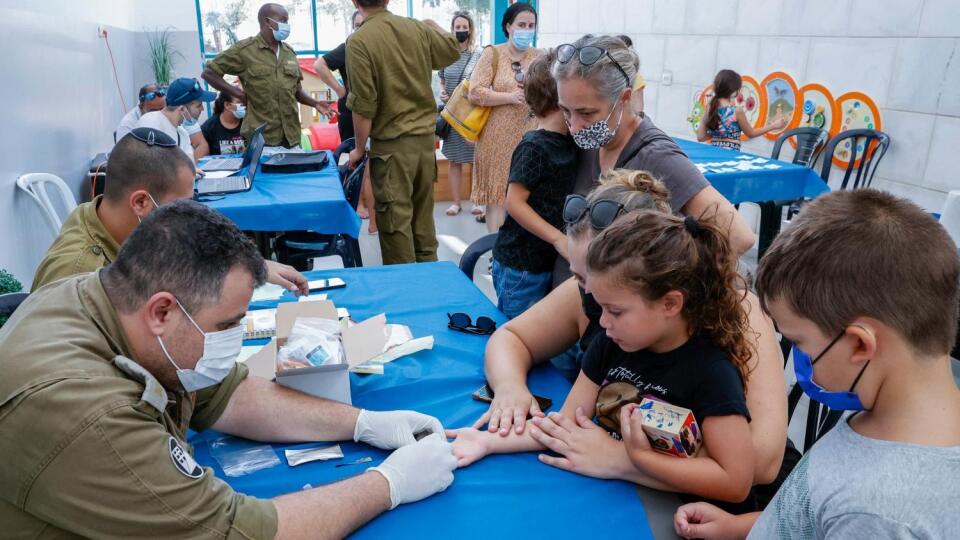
[[868, 145], [297, 248], [38, 185], [468, 261], [810, 144]]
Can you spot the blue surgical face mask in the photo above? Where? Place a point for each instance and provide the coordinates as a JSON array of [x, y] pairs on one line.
[[188, 119], [240, 111], [522, 39], [838, 401], [282, 32]]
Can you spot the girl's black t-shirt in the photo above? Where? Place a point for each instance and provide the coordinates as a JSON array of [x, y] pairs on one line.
[[221, 139], [696, 375]]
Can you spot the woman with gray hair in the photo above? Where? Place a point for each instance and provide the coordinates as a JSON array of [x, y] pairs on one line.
[[595, 78]]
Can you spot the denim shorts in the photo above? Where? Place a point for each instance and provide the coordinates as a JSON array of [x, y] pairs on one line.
[[517, 290]]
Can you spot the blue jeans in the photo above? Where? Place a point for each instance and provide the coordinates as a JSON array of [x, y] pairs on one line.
[[518, 290], [568, 362]]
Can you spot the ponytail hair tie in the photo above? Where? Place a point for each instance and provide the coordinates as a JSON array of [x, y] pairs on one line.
[[692, 226]]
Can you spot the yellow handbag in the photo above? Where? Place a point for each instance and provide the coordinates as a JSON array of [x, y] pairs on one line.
[[468, 119]]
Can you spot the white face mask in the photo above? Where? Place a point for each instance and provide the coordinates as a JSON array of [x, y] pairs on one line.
[[220, 352]]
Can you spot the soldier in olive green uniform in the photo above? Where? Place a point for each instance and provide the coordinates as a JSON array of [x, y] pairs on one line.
[[103, 373], [145, 170], [391, 61], [141, 175], [270, 75]]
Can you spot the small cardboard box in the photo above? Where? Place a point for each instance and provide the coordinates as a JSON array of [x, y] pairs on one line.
[[361, 342], [672, 430]]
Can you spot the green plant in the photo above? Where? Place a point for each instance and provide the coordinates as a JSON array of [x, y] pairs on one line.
[[8, 284], [162, 55]]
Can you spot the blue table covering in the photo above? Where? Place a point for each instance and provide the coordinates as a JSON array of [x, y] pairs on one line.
[[502, 496], [292, 202], [757, 183]]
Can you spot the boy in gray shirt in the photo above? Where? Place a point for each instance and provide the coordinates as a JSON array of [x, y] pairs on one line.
[[869, 284]]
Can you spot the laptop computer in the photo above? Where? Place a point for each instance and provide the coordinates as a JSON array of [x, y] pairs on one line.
[[233, 164], [241, 180]]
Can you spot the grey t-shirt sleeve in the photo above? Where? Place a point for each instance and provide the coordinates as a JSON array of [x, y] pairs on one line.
[[872, 526], [674, 169]]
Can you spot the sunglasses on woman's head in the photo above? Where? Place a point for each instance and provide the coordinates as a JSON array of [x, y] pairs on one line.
[[602, 213], [462, 322], [588, 56]]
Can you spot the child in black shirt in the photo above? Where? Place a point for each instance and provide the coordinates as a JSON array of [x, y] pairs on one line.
[[542, 173], [674, 331]]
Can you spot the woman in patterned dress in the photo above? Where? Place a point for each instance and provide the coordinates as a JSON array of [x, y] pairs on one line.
[[455, 148], [510, 117]]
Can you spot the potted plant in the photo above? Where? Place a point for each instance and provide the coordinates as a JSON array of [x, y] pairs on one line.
[[162, 55], [8, 284]]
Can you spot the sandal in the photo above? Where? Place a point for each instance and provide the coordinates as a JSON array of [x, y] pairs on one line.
[[453, 210], [477, 210], [482, 218]]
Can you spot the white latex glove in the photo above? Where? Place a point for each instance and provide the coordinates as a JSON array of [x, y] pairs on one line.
[[393, 429], [418, 470]]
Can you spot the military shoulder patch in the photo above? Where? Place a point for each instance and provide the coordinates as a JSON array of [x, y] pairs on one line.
[[183, 461]]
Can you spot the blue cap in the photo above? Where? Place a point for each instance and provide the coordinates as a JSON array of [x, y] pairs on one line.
[[185, 90]]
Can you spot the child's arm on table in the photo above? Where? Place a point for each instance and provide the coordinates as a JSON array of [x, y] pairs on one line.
[[471, 445], [725, 475]]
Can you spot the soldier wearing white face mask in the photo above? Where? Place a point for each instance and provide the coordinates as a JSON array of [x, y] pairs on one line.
[[104, 373]]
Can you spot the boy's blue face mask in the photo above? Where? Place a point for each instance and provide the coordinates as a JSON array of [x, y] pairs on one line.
[[840, 401]]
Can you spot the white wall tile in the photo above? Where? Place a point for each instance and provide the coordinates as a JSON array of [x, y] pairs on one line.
[[668, 16], [673, 107], [739, 54], [897, 18], [548, 17], [713, 17], [783, 54], [588, 17], [949, 93], [549, 39], [910, 135], [651, 50], [928, 199], [920, 66], [759, 17], [940, 18], [941, 172], [815, 18], [639, 17], [841, 65], [568, 18], [692, 59], [612, 15]]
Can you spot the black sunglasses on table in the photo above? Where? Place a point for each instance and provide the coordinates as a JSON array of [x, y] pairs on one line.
[[602, 213], [588, 56], [461, 322]]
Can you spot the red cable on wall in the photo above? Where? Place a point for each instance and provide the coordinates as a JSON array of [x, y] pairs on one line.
[[113, 63]]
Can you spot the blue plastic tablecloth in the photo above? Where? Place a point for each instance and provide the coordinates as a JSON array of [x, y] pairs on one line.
[[502, 496], [787, 183], [292, 202]]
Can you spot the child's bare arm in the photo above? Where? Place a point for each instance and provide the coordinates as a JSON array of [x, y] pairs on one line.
[[702, 129], [520, 210], [726, 474], [751, 131]]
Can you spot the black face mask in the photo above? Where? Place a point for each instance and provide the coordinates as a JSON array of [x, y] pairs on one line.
[[462, 37]]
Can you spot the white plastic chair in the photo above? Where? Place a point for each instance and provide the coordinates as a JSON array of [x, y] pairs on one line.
[[38, 186]]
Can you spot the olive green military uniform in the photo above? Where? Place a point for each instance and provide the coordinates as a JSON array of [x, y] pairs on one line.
[[84, 245], [93, 446], [391, 61], [270, 83]]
